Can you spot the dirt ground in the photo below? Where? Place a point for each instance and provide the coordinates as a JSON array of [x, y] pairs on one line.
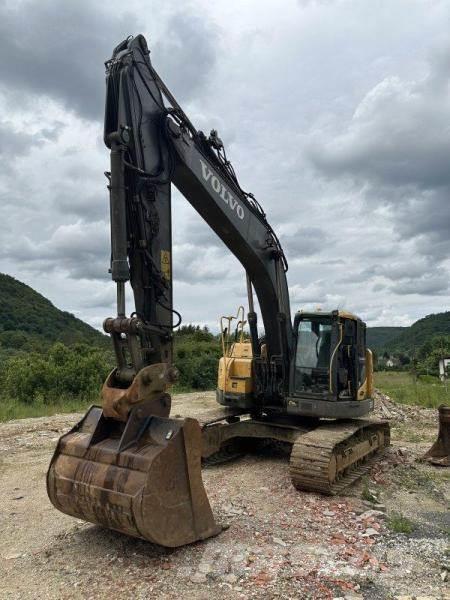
[[279, 543]]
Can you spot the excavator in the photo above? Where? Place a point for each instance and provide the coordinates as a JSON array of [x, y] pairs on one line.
[[307, 382]]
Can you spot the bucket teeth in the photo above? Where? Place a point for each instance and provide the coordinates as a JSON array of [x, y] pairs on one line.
[[150, 487]]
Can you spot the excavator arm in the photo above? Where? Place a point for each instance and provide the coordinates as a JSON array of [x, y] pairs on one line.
[[127, 465], [154, 144]]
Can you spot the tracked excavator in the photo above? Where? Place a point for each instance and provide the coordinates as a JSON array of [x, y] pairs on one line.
[[127, 465]]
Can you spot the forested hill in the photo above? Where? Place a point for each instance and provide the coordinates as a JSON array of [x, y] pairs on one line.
[[28, 321], [378, 338], [421, 332], [408, 339]]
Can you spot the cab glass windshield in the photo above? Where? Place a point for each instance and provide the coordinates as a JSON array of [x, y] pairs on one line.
[[312, 359]]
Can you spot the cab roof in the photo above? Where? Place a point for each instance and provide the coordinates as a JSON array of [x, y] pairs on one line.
[[344, 314]]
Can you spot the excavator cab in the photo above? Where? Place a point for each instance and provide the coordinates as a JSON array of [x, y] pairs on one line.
[[312, 359], [333, 370]]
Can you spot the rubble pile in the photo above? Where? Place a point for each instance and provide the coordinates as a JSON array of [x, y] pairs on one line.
[[277, 542]]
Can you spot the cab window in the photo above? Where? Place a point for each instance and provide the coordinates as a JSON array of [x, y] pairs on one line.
[[313, 345], [312, 359]]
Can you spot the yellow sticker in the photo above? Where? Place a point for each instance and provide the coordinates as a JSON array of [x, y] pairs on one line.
[[165, 264]]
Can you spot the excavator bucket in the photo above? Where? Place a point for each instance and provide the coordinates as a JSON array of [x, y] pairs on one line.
[[141, 476], [439, 453]]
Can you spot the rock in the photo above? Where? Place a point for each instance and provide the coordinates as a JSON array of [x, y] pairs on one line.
[[238, 558], [198, 578], [12, 556], [371, 513], [328, 513], [230, 578], [369, 532], [380, 507], [205, 568], [444, 575], [279, 541]]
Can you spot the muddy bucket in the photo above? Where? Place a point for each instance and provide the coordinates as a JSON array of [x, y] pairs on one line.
[[141, 477]]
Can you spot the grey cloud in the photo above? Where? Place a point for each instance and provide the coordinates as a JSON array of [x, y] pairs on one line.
[[57, 49], [193, 264], [371, 200], [197, 232], [395, 137], [86, 206], [429, 285], [333, 261], [81, 249], [18, 143], [303, 241], [187, 52], [315, 294], [395, 151]]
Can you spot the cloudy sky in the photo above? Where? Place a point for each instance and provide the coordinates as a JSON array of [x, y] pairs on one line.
[[335, 114]]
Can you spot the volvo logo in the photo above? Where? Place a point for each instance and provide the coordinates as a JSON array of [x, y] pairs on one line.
[[221, 190]]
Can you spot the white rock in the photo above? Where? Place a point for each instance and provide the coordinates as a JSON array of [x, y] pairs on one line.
[[238, 558], [198, 578], [278, 541], [371, 513], [205, 568], [230, 578], [369, 532]]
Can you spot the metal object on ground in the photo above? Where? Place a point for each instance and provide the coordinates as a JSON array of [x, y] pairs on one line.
[[439, 453], [143, 481]]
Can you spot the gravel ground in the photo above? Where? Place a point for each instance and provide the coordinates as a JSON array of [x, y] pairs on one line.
[[279, 542]]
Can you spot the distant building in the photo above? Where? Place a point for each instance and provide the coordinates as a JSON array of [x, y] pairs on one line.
[[391, 362], [444, 368]]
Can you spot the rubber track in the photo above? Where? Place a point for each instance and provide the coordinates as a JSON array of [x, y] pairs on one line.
[[312, 452]]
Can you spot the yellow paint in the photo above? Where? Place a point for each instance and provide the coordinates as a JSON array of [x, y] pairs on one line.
[[366, 390], [345, 314], [236, 365], [235, 375], [341, 333]]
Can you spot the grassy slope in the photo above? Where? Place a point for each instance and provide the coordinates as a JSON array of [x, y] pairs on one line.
[[403, 388]]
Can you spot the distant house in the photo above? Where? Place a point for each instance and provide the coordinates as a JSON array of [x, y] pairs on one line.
[[444, 368], [391, 362]]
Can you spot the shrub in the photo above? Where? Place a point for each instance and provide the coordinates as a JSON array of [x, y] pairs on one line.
[[59, 373]]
